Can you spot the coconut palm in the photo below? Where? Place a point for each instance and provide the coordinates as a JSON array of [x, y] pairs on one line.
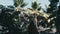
[[35, 12]]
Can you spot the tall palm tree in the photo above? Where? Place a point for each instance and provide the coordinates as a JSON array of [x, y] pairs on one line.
[[34, 11]]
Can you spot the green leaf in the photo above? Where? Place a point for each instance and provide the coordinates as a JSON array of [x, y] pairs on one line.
[[18, 2], [34, 5], [39, 8], [23, 4]]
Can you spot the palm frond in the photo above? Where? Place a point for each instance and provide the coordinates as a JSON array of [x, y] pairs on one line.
[[23, 4], [39, 9], [18, 2], [34, 5]]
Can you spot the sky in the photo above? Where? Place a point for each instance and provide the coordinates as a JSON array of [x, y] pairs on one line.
[[43, 2], [6, 2], [10, 2]]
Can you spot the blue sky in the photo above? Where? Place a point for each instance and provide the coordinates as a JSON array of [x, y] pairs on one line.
[[10, 2], [6, 2]]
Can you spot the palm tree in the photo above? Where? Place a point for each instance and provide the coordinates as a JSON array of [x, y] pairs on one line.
[[33, 23]]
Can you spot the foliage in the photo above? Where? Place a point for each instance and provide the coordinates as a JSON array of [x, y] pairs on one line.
[[19, 22], [35, 5], [19, 3]]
